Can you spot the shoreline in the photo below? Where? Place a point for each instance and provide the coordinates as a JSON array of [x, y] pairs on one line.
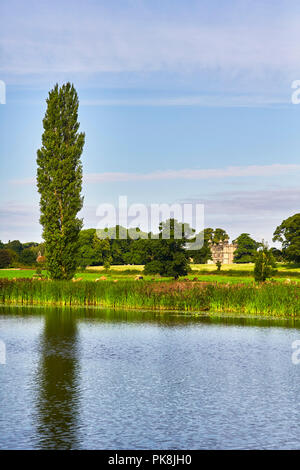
[[215, 315], [221, 313]]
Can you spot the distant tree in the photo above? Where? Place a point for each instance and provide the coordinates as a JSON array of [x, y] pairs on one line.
[[1, 245], [59, 181], [209, 234], [169, 256], [119, 251], [14, 258], [14, 245], [36, 248], [288, 233], [278, 255], [86, 251], [120, 243], [202, 255], [219, 265], [27, 257], [219, 235], [30, 245], [264, 264], [102, 251], [246, 249], [139, 252], [5, 258]]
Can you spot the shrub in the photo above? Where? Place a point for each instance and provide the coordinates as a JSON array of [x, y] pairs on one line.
[[218, 264], [264, 264]]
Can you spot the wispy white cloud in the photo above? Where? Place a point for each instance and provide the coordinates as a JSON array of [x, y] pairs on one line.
[[187, 174], [209, 173], [211, 100], [257, 203], [24, 213]]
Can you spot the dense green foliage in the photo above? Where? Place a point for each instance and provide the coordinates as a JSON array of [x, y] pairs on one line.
[[246, 249], [204, 254], [288, 233], [278, 255], [219, 235], [27, 257], [111, 249], [86, 252], [5, 258], [14, 245], [14, 253], [264, 264], [92, 250], [59, 181], [168, 254]]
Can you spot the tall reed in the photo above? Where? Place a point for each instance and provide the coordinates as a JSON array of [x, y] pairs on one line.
[[270, 299]]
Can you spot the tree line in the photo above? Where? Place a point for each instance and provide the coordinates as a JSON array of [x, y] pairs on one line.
[[107, 251]]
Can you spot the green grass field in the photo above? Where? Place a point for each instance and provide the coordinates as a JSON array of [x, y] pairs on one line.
[[229, 274], [244, 267]]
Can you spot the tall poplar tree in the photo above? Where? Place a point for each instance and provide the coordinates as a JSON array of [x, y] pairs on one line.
[[59, 181]]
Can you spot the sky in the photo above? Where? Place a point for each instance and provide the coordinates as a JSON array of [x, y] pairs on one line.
[[180, 102]]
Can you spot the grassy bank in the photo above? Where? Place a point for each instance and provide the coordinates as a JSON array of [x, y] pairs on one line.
[[270, 299]]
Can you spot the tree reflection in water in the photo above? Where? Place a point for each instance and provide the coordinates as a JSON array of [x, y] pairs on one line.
[[58, 382]]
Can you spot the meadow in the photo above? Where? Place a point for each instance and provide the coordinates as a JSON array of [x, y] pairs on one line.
[[231, 273]]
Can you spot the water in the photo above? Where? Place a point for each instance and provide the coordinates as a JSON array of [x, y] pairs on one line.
[[90, 379]]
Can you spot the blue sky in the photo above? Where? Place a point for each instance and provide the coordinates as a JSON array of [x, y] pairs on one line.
[[180, 101]]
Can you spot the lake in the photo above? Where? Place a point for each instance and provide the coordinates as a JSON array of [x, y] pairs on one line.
[[99, 379]]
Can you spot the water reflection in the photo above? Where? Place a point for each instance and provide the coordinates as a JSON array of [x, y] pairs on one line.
[[90, 379], [58, 382], [164, 318]]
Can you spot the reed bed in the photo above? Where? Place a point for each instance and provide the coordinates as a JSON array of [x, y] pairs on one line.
[[269, 299]]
